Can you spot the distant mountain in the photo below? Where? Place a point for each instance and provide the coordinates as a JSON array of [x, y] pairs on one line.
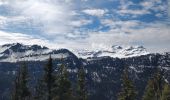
[[20, 52], [114, 51]]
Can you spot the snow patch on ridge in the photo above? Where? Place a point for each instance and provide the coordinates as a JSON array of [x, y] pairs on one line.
[[114, 51], [19, 52]]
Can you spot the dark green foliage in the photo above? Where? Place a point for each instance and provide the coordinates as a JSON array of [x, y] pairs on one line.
[[154, 88], [46, 85], [64, 91], [166, 92], [21, 90], [48, 78], [150, 92], [128, 91], [81, 91], [158, 84]]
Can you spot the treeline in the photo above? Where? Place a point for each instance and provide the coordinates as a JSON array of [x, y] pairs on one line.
[[156, 89], [55, 85]]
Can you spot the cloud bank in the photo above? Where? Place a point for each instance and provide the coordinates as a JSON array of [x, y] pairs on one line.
[[85, 24]]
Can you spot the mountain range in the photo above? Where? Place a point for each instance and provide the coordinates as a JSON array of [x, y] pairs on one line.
[[20, 52], [104, 67]]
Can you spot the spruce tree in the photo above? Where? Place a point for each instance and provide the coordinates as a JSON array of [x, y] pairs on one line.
[[21, 90], [48, 78], [149, 92], [154, 87], [81, 91], [128, 90], [166, 92], [158, 84], [64, 91], [44, 88]]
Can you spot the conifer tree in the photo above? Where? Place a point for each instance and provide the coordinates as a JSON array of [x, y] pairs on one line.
[[158, 84], [128, 91], [166, 92], [64, 91], [44, 88], [81, 91], [149, 92], [21, 90], [48, 78], [153, 90]]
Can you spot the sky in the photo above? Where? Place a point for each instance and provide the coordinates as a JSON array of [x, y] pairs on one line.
[[86, 24]]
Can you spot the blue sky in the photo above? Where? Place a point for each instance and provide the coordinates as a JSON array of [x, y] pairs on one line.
[[86, 24]]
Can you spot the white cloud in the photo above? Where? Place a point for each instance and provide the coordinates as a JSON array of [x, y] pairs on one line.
[[56, 19], [153, 36], [81, 22], [7, 37], [124, 8], [54, 16], [147, 7], [2, 21], [134, 12], [95, 12]]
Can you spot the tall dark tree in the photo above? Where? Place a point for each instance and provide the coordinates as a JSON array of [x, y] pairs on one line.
[[81, 91], [154, 88], [21, 90], [149, 92], [48, 77], [128, 90], [64, 91], [158, 84], [44, 88]]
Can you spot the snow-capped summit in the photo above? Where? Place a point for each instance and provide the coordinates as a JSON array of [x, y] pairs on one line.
[[114, 51], [20, 52], [17, 47]]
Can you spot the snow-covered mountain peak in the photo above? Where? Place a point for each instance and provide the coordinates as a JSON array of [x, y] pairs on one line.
[[20, 52], [17, 47], [114, 51]]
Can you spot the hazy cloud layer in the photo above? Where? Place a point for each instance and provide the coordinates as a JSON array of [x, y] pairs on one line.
[[86, 24]]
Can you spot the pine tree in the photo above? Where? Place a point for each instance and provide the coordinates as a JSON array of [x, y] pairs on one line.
[[128, 91], [48, 78], [149, 92], [158, 84], [166, 92], [44, 88], [81, 91], [154, 88], [45, 85], [64, 91], [21, 90]]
